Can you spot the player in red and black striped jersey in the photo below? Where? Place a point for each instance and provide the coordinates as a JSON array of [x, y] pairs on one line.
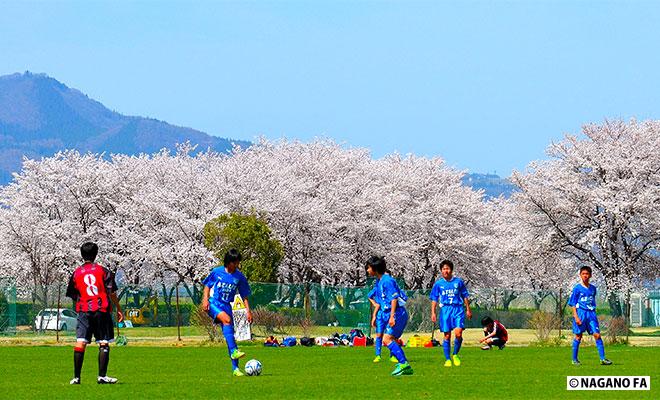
[[495, 334], [92, 287]]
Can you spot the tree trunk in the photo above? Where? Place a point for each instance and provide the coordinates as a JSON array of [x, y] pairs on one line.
[[507, 298], [308, 311], [197, 298], [168, 304], [615, 304], [59, 302], [178, 314], [538, 299], [195, 293], [628, 316], [44, 300]]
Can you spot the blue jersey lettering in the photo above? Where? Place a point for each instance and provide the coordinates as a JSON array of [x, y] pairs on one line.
[[452, 292]]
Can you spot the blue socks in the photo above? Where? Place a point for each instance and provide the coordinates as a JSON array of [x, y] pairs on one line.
[[378, 344], [446, 347], [228, 333], [457, 344], [601, 348], [397, 352], [576, 347], [234, 363]]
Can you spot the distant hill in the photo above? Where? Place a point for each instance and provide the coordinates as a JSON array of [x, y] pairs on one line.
[[40, 116], [492, 184]]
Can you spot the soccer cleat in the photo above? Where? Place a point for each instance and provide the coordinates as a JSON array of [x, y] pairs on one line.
[[448, 363], [486, 347], [74, 381], [394, 359], [402, 369], [236, 354], [378, 359], [605, 361], [237, 372], [457, 361], [106, 380], [577, 362]]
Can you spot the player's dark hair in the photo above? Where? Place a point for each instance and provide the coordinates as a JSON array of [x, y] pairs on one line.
[[88, 251], [586, 268], [447, 262], [232, 256], [377, 264], [485, 321]]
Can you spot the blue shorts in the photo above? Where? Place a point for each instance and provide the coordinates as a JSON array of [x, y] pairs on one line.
[[217, 308], [381, 321], [451, 317], [400, 322], [589, 322]]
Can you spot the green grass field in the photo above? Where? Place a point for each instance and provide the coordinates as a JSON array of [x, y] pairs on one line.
[[37, 372]]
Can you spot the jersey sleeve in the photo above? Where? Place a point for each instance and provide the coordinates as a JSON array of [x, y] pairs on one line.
[[109, 281], [390, 290], [572, 301], [209, 281], [244, 287], [463, 290], [372, 293], [435, 293], [72, 290]]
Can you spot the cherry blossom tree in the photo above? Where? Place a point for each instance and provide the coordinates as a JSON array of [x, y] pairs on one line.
[[597, 199]]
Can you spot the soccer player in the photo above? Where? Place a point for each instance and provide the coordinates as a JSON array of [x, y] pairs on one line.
[[219, 291], [391, 300], [378, 320], [92, 287], [583, 303], [450, 292], [495, 334]]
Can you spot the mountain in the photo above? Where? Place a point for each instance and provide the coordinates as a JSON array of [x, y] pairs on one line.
[[492, 184], [40, 116]]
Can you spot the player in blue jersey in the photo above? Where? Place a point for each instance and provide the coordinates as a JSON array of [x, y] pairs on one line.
[[391, 300], [583, 303], [450, 292], [219, 291], [378, 319]]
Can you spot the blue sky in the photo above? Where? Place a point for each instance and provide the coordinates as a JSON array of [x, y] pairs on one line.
[[485, 85]]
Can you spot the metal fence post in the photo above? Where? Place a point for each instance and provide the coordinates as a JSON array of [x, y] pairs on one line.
[[178, 316], [561, 317]]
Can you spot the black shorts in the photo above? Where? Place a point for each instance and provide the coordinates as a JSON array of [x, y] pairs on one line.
[[95, 323], [497, 342]]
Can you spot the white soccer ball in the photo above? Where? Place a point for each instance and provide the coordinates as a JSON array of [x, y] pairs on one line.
[[253, 368]]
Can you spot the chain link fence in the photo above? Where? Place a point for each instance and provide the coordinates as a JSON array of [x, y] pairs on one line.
[[311, 304], [7, 306]]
